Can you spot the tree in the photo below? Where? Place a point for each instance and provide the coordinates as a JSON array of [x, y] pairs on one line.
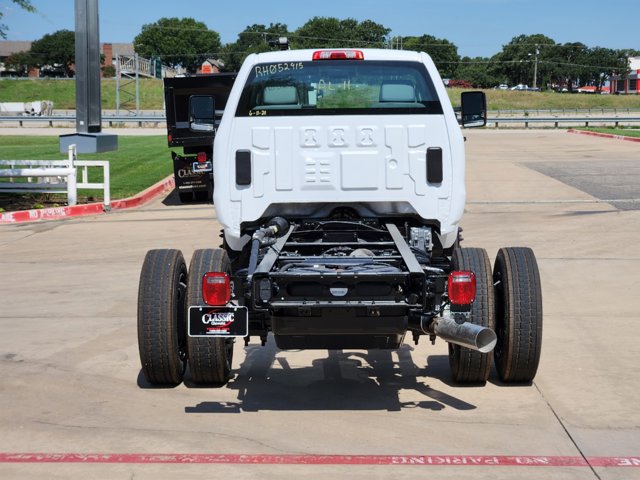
[[253, 39], [570, 60], [518, 59], [20, 62], [55, 49], [481, 72], [330, 32], [604, 62], [443, 53], [24, 4], [178, 42], [374, 35]]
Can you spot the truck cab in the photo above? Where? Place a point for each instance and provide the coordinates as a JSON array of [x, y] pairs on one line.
[[307, 131]]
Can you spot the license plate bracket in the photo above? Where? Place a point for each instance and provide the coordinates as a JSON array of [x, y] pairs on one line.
[[218, 321]]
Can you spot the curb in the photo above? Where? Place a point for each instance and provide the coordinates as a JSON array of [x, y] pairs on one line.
[[604, 135], [58, 213]]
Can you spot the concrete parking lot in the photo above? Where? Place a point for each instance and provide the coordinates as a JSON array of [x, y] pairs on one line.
[[71, 382]]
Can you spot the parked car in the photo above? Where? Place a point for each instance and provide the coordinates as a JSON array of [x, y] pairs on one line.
[[587, 89], [525, 88]]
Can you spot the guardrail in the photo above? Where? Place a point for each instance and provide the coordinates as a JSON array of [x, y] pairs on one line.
[[565, 111], [556, 121], [108, 120], [58, 176]]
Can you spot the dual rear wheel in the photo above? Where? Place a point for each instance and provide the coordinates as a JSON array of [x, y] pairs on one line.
[[508, 300], [166, 290]]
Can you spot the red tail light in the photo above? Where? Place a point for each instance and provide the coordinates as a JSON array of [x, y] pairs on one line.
[[169, 138], [202, 157], [338, 55], [216, 288], [462, 287]]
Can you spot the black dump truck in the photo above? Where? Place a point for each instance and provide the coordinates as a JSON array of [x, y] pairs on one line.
[[185, 99]]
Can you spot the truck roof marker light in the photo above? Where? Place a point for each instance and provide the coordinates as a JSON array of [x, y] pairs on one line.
[[338, 55], [462, 287], [216, 288], [201, 157]]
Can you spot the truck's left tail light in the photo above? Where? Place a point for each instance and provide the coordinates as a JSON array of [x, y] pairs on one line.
[[462, 287], [216, 288]]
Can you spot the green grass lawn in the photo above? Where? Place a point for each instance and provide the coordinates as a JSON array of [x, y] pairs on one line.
[[625, 132], [62, 93], [138, 163], [514, 100]]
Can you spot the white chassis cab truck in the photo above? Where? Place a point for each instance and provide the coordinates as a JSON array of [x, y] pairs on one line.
[[340, 186]]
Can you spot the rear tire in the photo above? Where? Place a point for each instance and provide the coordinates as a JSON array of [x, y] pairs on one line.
[[209, 358], [470, 366], [518, 314], [161, 320]]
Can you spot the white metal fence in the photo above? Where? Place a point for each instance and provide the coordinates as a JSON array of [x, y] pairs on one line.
[[54, 176]]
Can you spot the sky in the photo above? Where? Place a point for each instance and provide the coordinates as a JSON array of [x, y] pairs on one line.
[[477, 27]]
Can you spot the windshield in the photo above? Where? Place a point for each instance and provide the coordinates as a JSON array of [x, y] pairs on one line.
[[342, 87]]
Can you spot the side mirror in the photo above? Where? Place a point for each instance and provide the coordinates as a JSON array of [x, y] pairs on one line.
[[474, 109], [202, 111]]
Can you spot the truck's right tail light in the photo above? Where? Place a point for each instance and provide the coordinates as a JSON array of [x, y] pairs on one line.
[[216, 288], [462, 287]]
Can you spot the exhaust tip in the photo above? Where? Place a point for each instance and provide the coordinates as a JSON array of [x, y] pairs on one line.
[[486, 340], [466, 334]]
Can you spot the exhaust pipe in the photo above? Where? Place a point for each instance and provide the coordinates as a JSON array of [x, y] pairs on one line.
[[469, 335]]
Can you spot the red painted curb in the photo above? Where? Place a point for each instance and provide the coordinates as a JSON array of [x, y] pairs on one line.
[[146, 195], [58, 213], [604, 135], [389, 460]]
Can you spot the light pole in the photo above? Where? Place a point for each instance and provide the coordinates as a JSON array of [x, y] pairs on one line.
[[87, 60], [88, 137]]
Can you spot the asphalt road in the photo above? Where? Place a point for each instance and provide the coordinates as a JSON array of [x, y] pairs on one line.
[[70, 371]]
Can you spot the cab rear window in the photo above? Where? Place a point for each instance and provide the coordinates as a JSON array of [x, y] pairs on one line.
[[343, 87]]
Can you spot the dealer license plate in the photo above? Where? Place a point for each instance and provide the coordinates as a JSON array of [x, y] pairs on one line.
[[218, 322], [203, 167]]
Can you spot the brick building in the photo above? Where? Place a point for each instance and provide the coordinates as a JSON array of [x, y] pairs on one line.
[[627, 84], [7, 48]]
